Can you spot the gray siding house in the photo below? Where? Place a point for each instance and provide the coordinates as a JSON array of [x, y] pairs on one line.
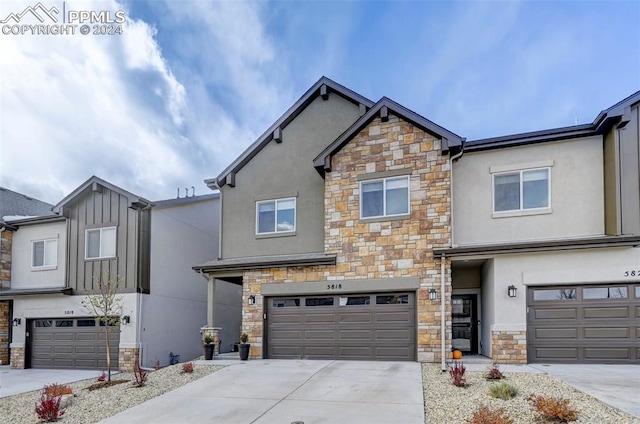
[[362, 230]]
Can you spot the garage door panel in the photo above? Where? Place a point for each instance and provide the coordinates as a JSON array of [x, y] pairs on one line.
[[72, 346], [621, 312], [595, 325], [607, 333], [554, 314], [329, 327], [556, 333]]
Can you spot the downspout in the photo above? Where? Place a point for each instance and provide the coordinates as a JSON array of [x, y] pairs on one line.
[[443, 362], [219, 222]]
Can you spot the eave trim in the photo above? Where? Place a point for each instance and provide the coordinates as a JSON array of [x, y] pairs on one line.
[[262, 262]]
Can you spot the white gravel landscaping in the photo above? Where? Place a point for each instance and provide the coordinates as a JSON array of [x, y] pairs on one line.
[[446, 403], [92, 406]]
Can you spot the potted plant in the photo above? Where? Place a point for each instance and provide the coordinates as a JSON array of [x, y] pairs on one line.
[[208, 347], [244, 347]]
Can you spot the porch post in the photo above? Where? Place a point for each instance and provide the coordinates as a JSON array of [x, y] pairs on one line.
[[211, 301]]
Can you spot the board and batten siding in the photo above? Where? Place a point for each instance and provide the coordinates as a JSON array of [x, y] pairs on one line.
[[107, 208]]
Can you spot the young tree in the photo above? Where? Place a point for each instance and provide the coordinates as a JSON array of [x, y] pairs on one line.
[[106, 305]]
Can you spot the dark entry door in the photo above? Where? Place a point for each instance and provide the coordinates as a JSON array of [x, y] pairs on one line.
[[464, 320]]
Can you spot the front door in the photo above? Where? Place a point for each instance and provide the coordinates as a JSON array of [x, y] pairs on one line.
[[464, 320]]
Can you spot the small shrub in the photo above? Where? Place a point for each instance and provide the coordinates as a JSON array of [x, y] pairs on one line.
[[57, 390], [484, 415], [102, 377], [156, 365], [139, 375], [553, 408], [457, 374], [187, 367], [503, 391], [208, 339], [48, 409], [494, 373], [244, 338]]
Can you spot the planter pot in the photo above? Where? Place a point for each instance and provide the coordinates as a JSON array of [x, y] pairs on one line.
[[208, 352], [244, 351]]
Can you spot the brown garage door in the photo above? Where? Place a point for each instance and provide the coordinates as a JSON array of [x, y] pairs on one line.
[[71, 343], [599, 324], [357, 326]]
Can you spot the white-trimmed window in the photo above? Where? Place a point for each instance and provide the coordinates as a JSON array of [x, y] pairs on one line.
[[384, 197], [522, 190], [44, 254], [100, 243], [276, 216]]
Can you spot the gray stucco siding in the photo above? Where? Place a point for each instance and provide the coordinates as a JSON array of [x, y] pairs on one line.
[[629, 173], [285, 167]]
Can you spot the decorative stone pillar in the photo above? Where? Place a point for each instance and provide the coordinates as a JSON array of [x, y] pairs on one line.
[[127, 358], [4, 333], [17, 358], [509, 347], [214, 333]]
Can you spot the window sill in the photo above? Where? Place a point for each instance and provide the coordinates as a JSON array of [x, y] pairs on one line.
[[44, 268], [386, 218], [273, 235], [528, 212], [101, 259]]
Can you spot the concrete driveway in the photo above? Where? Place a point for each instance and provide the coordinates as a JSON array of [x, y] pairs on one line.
[[287, 391], [13, 382], [616, 385]]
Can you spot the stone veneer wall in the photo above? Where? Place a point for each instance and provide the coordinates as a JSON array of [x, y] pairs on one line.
[[509, 347], [387, 248], [127, 358], [4, 333], [17, 358]]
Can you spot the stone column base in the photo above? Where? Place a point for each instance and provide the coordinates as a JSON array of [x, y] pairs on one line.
[[127, 358], [214, 333], [4, 333], [17, 358], [509, 347]]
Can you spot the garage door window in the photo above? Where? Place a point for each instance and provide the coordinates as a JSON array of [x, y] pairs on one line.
[[638, 292], [43, 323], [604, 293], [64, 323], [286, 303], [392, 299], [318, 301], [554, 294], [86, 323], [355, 300]]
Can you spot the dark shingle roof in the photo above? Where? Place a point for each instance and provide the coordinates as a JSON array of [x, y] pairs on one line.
[[16, 204]]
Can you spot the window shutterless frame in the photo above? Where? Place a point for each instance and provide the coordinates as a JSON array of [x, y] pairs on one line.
[[273, 216], [521, 174], [44, 254], [388, 184], [100, 243]]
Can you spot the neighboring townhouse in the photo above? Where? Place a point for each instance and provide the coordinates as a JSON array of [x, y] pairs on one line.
[[100, 232], [545, 262], [13, 206], [361, 230]]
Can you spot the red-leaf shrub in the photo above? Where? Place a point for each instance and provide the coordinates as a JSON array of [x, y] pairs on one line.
[[48, 409], [187, 367], [457, 374]]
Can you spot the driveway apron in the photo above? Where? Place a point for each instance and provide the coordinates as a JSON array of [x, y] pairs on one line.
[[288, 391]]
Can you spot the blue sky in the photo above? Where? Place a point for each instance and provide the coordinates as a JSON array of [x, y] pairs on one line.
[[189, 85]]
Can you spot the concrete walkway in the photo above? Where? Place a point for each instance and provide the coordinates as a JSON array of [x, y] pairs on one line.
[[13, 382], [616, 385], [288, 391]]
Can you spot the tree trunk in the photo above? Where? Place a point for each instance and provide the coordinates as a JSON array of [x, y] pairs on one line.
[[106, 331]]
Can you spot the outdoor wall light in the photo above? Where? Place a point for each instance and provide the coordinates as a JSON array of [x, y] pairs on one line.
[[16, 322], [511, 290], [433, 294], [126, 319], [252, 300]]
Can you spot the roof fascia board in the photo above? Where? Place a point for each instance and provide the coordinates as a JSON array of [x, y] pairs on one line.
[[38, 220], [275, 263], [531, 138], [291, 113], [92, 182], [449, 139]]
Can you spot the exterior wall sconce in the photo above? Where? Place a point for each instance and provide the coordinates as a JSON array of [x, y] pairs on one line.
[[126, 319], [511, 290], [433, 294], [252, 300], [16, 322]]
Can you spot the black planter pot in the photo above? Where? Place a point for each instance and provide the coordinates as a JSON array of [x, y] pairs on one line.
[[208, 351], [244, 351]]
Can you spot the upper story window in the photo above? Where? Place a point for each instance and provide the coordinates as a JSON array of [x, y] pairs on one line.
[[384, 197], [276, 216], [521, 190], [100, 243], [44, 254]]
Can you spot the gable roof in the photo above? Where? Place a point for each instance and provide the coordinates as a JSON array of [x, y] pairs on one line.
[[95, 184], [618, 115], [382, 108], [15, 204], [322, 87]]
